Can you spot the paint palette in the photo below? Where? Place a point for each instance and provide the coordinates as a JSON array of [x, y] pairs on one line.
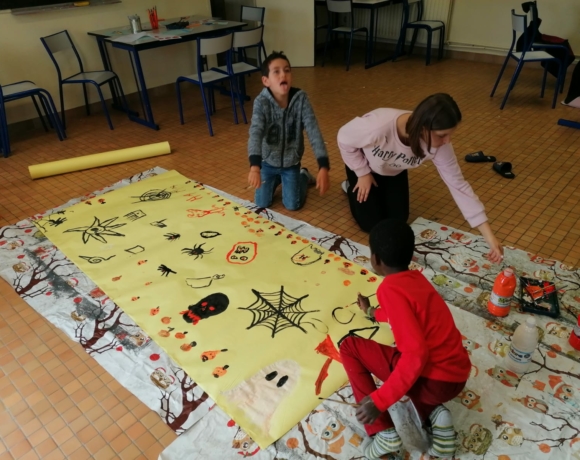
[[539, 297]]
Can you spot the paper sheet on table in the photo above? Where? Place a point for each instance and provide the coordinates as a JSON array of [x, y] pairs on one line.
[[130, 38]]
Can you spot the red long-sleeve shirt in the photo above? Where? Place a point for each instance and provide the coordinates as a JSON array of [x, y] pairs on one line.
[[424, 332]]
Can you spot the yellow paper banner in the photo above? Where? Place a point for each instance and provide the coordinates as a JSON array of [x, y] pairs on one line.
[[251, 311]]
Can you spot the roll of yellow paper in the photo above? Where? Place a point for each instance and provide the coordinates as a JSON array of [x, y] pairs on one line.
[[98, 159]]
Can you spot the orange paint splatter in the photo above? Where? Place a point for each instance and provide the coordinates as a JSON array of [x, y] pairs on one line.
[[444, 268], [556, 347], [504, 457], [135, 298], [372, 279], [551, 354], [251, 230], [468, 289], [337, 259], [250, 219], [346, 282], [305, 241], [148, 283], [244, 222], [292, 443], [117, 278], [545, 448]]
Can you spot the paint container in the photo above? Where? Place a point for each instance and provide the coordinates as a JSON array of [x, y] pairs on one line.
[[575, 336], [135, 22], [522, 347], [502, 293]]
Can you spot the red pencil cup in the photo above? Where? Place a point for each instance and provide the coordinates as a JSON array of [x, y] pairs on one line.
[[575, 336]]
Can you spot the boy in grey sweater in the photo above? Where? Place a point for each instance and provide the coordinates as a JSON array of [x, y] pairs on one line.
[[276, 144]]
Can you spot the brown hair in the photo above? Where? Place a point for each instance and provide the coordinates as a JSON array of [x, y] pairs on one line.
[[435, 113]]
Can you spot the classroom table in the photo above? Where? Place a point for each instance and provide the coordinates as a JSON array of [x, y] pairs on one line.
[[207, 27], [373, 6]]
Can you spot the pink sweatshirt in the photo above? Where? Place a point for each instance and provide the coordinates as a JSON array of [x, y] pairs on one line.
[[371, 144]]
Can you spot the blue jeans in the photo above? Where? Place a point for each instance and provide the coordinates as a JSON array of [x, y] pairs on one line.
[[294, 186]]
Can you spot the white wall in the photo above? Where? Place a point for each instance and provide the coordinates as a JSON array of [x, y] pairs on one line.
[[289, 27], [23, 56], [487, 23]]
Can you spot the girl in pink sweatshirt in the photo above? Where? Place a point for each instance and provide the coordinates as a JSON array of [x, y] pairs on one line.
[[378, 149]]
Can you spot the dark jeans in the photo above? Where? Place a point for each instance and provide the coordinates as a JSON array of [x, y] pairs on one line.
[[389, 200], [294, 186]]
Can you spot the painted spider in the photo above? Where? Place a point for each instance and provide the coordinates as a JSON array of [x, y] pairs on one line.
[[196, 251], [56, 222], [172, 236]]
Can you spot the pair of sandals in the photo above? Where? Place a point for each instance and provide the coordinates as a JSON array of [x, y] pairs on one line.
[[503, 168]]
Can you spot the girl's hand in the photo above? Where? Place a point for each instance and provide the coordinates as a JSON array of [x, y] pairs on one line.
[[322, 181], [367, 412], [363, 303], [363, 185], [495, 254], [254, 178]]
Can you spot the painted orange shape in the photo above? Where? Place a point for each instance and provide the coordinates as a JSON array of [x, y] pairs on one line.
[[242, 253]]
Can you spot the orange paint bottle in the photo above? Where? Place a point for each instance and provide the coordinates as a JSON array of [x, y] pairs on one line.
[[502, 293], [575, 336]]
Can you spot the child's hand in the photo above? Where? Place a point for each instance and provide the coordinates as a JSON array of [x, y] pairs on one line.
[[322, 181], [254, 178], [367, 412], [363, 302], [363, 187]]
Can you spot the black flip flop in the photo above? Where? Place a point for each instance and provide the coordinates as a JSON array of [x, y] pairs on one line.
[[504, 169], [479, 157]]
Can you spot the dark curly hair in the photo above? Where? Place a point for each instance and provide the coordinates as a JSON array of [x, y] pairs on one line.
[[392, 241], [272, 57]]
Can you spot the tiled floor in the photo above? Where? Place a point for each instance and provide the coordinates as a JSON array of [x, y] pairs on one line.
[[56, 402]]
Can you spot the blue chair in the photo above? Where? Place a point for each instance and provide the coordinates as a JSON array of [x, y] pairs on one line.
[[23, 90], [255, 15], [420, 24], [207, 79], [530, 53], [244, 40], [335, 7], [61, 42]]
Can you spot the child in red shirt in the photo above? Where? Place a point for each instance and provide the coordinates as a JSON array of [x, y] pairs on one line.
[[428, 363]]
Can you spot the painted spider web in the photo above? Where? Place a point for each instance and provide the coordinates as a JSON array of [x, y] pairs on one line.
[[277, 311]]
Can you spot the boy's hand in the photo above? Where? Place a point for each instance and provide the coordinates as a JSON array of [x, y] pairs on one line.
[[367, 412], [254, 178], [363, 302], [322, 181]]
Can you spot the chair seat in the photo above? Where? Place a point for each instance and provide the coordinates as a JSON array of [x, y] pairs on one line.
[[208, 76], [99, 77], [533, 56], [348, 30], [238, 68], [17, 88], [430, 24]]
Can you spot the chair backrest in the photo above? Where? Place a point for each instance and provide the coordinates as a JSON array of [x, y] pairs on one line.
[[407, 4], [519, 22], [60, 42], [214, 45], [520, 26], [253, 13], [248, 38], [339, 6]]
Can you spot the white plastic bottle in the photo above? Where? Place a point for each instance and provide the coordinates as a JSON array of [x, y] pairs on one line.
[[523, 345]]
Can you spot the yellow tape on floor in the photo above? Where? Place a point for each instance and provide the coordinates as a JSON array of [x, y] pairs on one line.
[[252, 312]]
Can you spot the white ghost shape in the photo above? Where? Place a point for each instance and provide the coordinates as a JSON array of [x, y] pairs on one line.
[[260, 396]]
